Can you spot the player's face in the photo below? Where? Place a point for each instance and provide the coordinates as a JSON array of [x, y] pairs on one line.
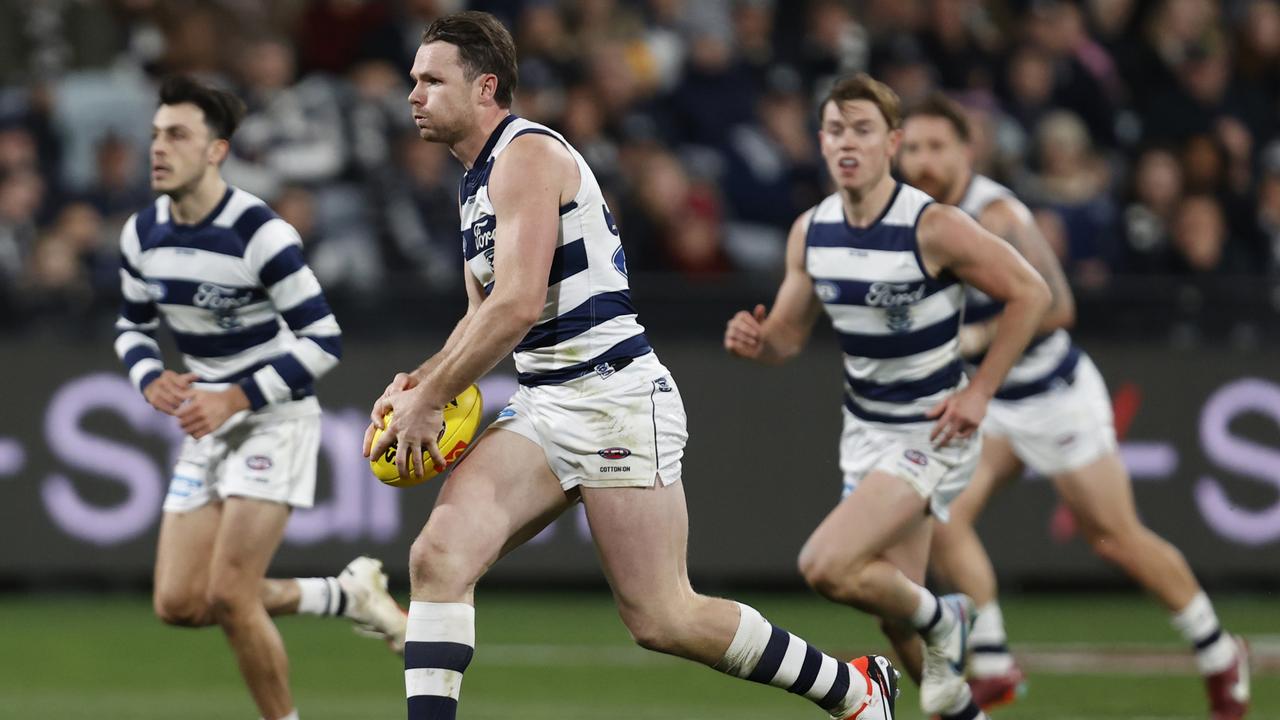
[[443, 100], [856, 143], [182, 148], [933, 157]]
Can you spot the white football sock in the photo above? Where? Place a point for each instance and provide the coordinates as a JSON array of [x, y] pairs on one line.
[[440, 640], [764, 653], [1198, 624], [930, 617], [321, 596], [989, 644]]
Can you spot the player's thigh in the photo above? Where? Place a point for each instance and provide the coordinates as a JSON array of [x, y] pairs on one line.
[[500, 495], [1100, 495], [881, 512], [183, 555], [248, 536], [641, 535], [997, 464]]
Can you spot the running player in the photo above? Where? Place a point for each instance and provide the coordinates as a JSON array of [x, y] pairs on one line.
[[1053, 415], [255, 332], [886, 262], [597, 417]]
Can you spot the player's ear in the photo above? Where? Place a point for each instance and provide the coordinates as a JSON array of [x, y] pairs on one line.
[[218, 151], [488, 86], [894, 141]]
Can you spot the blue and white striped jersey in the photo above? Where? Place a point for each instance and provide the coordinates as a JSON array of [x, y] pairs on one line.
[[897, 325], [234, 289], [1048, 359], [588, 323]]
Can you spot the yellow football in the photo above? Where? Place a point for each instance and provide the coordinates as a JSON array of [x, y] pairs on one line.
[[461, 419]]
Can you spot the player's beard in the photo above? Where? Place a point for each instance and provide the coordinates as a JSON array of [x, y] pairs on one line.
[[449, 131], [933, 185]]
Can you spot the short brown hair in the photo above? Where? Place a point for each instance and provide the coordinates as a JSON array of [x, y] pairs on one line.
[[484, 45], [939, 105], [222, 110], [864, 87]]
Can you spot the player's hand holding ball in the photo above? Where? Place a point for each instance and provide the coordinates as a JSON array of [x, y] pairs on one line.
[[382, 406], [742, 335], [415, 427]]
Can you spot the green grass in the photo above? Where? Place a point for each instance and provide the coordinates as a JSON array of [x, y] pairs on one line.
[[561, 657]]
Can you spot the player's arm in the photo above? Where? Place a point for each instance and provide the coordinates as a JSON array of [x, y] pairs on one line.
[[274, 253], [775, 337], [1012, 222], [409, 380], [475, 296], [951, 242], [136, 328], [525, 189]]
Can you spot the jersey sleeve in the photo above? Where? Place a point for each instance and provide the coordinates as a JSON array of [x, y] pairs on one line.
[[274, 254], [139, 318]]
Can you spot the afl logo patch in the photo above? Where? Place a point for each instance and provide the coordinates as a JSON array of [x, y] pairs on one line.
[[916, 457], [826, 291], [258, 462], [614, 453]]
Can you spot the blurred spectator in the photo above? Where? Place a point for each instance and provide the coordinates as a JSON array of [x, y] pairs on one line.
[[1085, 78], [583, 124], [293, 132], [21, 195], [960, 42], [903, 66], [333, 35], [831, 42], [1074, 181], [1258, 43], [717, 91], [1268, 215], [1147, 219], [79, 225], [682, 217], [1203, 95], [1029, 86], [771, 175], [422, 212], [1200, 237], [120, 186]]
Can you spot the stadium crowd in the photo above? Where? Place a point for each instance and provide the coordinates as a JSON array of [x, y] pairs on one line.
[[1145, 134]]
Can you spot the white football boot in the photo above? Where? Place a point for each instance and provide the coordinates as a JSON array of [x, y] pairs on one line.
[[369, 605], [945, 655]]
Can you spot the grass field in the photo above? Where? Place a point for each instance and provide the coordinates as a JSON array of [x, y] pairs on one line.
[[566, 657]]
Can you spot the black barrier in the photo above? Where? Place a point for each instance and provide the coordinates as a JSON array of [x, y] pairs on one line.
[[84, 465]]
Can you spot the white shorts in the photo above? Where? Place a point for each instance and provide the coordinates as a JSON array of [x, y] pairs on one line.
[[938, 474], [1061, 429], [268, 457], [618, 431]]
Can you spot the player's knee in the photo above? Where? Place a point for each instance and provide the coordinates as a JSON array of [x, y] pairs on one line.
[[436, 559], [654, 630], [1112, 547], [228, 603], [181, 609], [825, 573]]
